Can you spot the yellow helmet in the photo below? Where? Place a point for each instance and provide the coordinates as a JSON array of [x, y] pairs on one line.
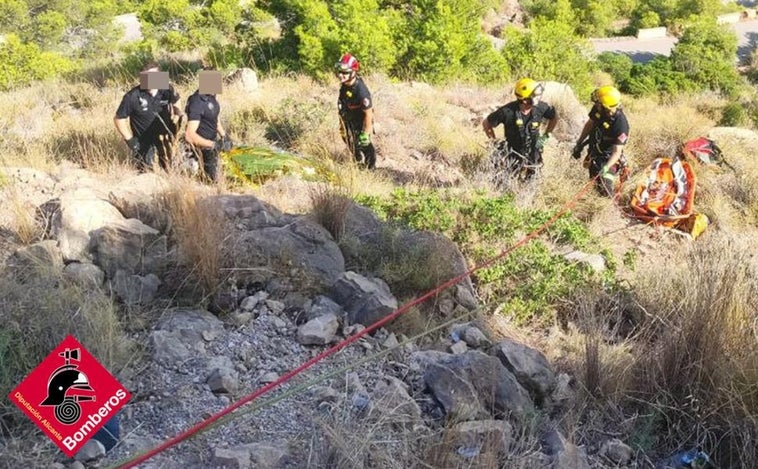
[[607, 96], [526, 87]]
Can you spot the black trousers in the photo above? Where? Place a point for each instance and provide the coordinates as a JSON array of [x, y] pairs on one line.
[[159, 146], [210, 164], [364, 156]]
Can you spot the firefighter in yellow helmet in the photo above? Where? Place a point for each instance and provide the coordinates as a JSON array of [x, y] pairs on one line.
[[522, 121], [608, 132]]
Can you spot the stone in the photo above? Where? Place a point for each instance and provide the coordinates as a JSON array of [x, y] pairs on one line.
[[617, 452], [529, 365], [365, 300], [84, 274], [319, 331]]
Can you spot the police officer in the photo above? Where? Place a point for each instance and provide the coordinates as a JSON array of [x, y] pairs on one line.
[[147, 120], [608, 131], [522, 120], [355, 111], [204, 130]]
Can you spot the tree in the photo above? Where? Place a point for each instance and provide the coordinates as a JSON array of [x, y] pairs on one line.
[[706, 55], [551, 50]]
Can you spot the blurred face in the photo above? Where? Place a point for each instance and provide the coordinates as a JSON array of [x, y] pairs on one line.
[[344, 75]]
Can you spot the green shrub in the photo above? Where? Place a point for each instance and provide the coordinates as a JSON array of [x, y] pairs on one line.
[[734, 115], [24, 63], [526, 284], [619, 66]]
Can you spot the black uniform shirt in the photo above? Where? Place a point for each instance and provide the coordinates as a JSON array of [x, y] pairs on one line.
[[608, 131], [204, 108], [353, 102], [521, 129], [143, 110]]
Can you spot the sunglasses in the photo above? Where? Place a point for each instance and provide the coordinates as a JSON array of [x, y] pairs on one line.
[[343, 73]]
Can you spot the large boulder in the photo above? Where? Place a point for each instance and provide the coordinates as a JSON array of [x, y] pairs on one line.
[[142, 197], [473, 385], [572, 114], [80, 212], [245, 212], [368, 241], [301, 250], [131, 246]]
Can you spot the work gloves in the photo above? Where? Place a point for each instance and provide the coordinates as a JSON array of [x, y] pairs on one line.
[[133, 145], [363, 139], [576, 153], [223, 144], [541, 141]]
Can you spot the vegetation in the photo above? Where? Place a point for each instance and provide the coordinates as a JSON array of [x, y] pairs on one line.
[[664, 357]]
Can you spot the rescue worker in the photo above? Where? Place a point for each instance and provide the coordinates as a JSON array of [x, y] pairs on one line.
[[147, 120], [608, 132], [522, 121], [356, 111], [204, 131]]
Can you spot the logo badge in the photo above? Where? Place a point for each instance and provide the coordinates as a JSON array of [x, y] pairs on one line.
[[70, 396]]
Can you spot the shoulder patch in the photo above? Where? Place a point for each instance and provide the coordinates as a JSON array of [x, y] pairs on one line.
[[623, 138], [366, 102]]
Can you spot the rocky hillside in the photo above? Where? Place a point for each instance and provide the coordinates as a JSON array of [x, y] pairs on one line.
[[195, 296]]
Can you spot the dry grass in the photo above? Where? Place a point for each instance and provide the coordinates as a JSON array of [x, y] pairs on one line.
[[673, 365], [329, 208], [198, 228]]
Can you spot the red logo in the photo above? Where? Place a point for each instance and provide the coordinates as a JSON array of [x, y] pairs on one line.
[[622, 138], [70, 396]]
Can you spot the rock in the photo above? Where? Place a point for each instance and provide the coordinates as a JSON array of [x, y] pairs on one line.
[[85, 275], [131, 246], [39, 259], [530, 367], [223, 380], [244, 78], [179, 335], [276, 307], [365, 300], [76, 465], [458, 348], [564, 455], [322, 305], [81, 211], [268, 455], [318, 331], [143, 197], [135, 289], [475, 338], [302, 251], [472, 384], [269, 377], [232, 458], [392, 403], [617, 452], [492, 437], [245, 211], [91, 450], [595, 261]]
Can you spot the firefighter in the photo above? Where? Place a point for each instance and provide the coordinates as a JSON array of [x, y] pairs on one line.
[[356, 111], [608, 132], [522, 121]]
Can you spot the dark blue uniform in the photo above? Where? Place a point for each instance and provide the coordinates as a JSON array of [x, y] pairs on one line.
[[352, 104], [205, 109], [150, 121]]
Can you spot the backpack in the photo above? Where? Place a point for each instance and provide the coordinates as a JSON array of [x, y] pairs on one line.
[[703, 150]]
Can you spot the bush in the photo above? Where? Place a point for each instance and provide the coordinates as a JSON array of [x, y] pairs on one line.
[[618, 66], [24, 63], [482, 227], [551, 50], [734, 115]]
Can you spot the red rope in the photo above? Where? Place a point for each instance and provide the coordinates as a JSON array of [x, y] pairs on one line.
[[404, 308]]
